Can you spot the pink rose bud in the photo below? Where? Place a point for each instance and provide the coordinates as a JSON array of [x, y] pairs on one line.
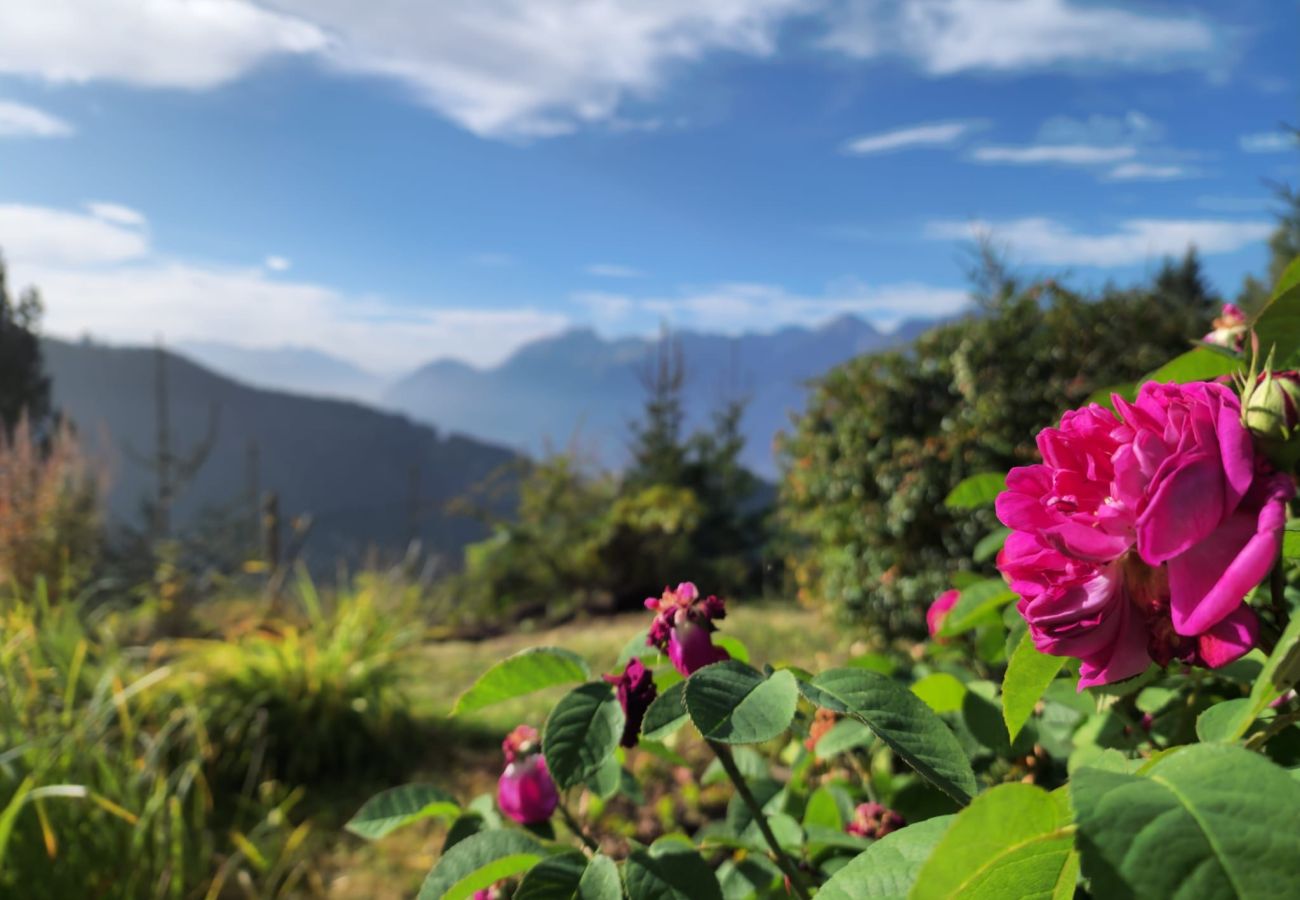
[[872, 820], [683, 627], [939, 610], [1229, 328], [636, 691], [525, 791], [1271, 410]]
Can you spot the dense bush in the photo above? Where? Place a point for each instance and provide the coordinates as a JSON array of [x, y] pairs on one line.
[[885, 437]]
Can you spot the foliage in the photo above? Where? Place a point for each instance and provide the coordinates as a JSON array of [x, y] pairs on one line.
[[310, 695], [49, 512], [24, 389], [885, 438], [103, 784]]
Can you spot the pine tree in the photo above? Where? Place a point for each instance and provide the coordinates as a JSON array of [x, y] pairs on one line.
[[23, 384]]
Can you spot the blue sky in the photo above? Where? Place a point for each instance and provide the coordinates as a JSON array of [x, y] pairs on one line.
[[398, 180]]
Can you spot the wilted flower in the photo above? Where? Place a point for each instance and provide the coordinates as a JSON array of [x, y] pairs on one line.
[[939, 610], [1229, 328], [1139, 536], [872, 820], [636, 691], [683, 627], [525, 791]]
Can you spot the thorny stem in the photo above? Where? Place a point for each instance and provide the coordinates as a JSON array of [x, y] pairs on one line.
[[576, 827], [742, 788]]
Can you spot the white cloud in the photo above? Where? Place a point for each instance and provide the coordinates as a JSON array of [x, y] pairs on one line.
[[191, 44], [944, 37], [277, 263], [21, 120], [1059, 154], [1270, 142], [37, 234], [534, 68], [103, 279], [1138, 171], [606, 308], [1131, 128], [736, 307], [613, 270], [1048, 242], [117, 214], [932, 134]]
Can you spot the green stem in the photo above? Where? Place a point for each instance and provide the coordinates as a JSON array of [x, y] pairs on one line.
[[576, 827], [747, 797]]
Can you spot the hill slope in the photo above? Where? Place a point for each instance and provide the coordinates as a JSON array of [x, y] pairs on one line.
[[353, 469]]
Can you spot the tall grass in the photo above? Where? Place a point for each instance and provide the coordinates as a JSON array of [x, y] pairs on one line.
[[103, 791]]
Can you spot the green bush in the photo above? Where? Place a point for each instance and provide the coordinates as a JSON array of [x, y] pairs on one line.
[[884, 437]]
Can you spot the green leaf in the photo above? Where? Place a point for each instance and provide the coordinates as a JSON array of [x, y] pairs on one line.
[[845, 735], [1208, 821], [1280, 673], [990, 545], [605, 780], [554, 878], [769, 795], [734, 704], [941, 692], [600, 881], [976, 491], [901, 720], [1014, 840], [480, 861], [733, 645], [888, 868], [1290, 278], [1199, 364], [391, 809], [670, 870], [1029, 672], [976, 602], [1218, 724], [582, 731], [527, 671], [666, 714], [823, 810], [1278, 324]]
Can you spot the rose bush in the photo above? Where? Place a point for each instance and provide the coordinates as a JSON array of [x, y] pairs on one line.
[[1114, 716]]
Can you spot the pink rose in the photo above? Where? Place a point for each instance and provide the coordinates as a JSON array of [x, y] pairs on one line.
[[872, 820], [525, 791], [1229, 328], [683, 627], [939, 610], [1139, 536]]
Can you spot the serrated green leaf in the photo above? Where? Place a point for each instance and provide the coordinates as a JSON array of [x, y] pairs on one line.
[[605, 780], [1014, 840], [669, 870], [582, 731], [666, 714], [941, 692], [600, 881], [527, 671], [976, 491], [554, 878], [1278, 323], [1212, 821], [901, 720], [391, 809], [1218, 723], [478, 862], [887, 869], [731, 703], [1029, 672], [974, 604], [845, 735]]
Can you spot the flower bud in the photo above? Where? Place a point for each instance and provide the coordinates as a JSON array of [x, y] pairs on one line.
[[525, 791], [1229, 328], [872, 820], [939, 610], [683, 627], [1270, 408], [636, 691]]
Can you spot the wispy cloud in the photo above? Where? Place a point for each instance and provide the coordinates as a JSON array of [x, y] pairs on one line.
[[613, 270], [277, 263], [1048, 242], [21, 120], [931, 134], [1270, 142], [1139, 171], [944, 37], [117, 214], [734, 307], [105, 279], [1058, 154]]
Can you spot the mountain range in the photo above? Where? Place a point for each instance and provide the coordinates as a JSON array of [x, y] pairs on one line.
[[578, 390], [369, 479]]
